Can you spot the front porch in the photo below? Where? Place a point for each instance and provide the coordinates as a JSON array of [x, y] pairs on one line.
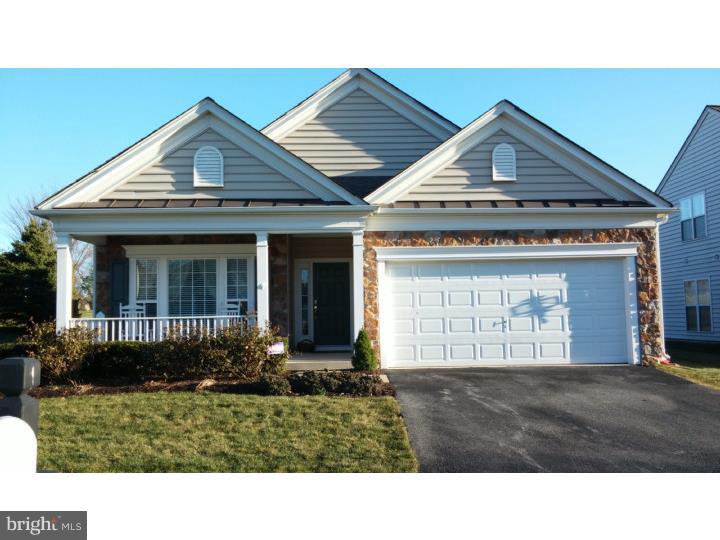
[[310, 286]]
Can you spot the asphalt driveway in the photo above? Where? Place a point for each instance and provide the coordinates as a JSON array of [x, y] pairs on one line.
[[559, 419]]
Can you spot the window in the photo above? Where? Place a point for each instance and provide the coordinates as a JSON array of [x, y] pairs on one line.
[[503, 163], [208, 167], [304, 302], [692, 217], [191, 287], [146, 273], [698, 313], [237, 282]]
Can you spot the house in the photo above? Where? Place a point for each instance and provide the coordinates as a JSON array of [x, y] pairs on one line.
[[690, 240], [499, 243]]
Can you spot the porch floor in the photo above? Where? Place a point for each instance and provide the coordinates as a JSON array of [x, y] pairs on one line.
[[320, 360]]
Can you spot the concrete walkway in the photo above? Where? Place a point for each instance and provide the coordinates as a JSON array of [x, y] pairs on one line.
[[320, 360]]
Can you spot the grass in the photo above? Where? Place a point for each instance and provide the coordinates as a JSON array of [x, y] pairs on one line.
[[693, 364], [210, 432]]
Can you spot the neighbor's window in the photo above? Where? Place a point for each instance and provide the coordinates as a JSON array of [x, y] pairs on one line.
[[208, 167], [692, 217], [698, 313], [503, 163], [146, 271], [191, 287], [237, 282]]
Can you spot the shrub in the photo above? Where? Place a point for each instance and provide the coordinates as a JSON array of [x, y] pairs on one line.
[[61, 355], [129, 360], [274, 385], [237, 351], [363, 358], [308, 383], [246, 348], [336, 382], [12, 349]]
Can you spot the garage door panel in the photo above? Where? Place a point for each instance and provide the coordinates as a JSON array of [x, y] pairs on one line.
[[506, 312]]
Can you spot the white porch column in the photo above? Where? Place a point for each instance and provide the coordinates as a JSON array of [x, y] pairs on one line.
[[63, 301], [263, 279], [358, 283]]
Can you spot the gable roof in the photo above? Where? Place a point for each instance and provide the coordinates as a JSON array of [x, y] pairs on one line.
[[369, 81], [149, 148], [709, 109], [472, 134]]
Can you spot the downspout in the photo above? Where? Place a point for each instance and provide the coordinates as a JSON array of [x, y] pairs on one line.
[[665, 358]]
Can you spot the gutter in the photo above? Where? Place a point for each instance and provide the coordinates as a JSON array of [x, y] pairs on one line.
[[269, 210]]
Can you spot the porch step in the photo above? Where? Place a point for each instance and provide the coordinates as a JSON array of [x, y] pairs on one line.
[[319, 361]]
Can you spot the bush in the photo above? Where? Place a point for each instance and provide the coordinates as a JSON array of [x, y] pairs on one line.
[[335, 382], [12, 349], [127, 360], [273, 385], [237, 351], [363, 358], [62, 355]]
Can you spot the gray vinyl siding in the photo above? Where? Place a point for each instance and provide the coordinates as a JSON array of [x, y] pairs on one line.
[[470, 178], [359, 136], [698, 170], [246, 177]]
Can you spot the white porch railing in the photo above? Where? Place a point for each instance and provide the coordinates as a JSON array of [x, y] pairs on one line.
[[156, 328]]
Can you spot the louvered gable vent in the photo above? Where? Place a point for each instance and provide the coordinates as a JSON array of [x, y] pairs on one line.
[[503, 163], [208, 167]]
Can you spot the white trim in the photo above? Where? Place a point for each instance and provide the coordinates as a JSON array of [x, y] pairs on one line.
[[163, 253], [542, 251], [385, 333], [358, 283], [458, 219], [108, 222], [197, 181], [197, 119], [470, 135], [188, 249], [631, 309], [348, 82]]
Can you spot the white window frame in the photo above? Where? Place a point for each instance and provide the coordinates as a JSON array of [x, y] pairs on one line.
[[693, 215], [495, 174], [133, 285], [220, 252], [197, 182], [698, 305]]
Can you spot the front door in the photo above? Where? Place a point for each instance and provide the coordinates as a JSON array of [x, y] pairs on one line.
[[331, 303]]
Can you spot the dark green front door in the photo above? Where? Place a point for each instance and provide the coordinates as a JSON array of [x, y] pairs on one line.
[[331, 303]]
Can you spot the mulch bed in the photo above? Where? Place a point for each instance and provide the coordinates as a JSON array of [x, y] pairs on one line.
[[229, 386]]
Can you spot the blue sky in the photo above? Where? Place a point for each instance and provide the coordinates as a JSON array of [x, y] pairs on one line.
[[55, 125]]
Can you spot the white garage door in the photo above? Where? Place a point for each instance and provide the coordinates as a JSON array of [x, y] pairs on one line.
[[504, 312]]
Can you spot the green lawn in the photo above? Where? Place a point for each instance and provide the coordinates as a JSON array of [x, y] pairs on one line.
[[699, 366], [212, 432]]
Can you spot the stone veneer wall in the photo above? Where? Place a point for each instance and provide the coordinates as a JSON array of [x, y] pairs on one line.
[[651, 346], [279, 252], [113, 250]]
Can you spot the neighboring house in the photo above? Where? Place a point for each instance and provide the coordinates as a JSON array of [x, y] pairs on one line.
[[690, 240], [499, 243]]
